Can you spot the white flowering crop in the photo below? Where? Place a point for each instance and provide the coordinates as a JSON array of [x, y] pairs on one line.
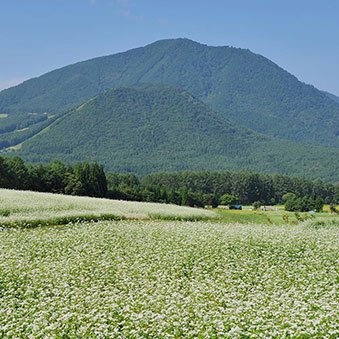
[[156, 279], [16, 206]]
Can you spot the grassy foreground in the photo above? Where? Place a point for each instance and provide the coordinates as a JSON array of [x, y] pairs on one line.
[[27, 209], [140, 279]]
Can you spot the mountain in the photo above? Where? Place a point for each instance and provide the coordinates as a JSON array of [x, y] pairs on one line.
[[246, 88], [155, 127], [332, 96]]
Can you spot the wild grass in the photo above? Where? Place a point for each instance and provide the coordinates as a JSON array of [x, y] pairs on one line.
[[242, 217], [159, 279], [279, 217], [180, 217], [322, 223]]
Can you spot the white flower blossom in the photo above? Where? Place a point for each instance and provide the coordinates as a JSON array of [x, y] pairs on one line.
[[158, 279]]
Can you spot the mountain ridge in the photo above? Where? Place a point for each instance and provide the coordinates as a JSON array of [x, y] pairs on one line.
[[245, 87], [332, 96]]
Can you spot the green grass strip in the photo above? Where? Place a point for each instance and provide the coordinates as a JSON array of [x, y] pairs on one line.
[[26, 223], [178, 218]]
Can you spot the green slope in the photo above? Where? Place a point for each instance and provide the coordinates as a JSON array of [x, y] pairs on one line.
[[152, 128], [245, 87]]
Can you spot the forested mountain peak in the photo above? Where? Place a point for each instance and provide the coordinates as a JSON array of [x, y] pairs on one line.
[[245, 87]]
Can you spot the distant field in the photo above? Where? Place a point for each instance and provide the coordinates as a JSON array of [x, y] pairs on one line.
[[267, 217], [3, 115], [157, 279], [24, 208]]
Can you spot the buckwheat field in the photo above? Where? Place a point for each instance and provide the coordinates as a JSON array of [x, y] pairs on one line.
[[25, 208], [160, 279]]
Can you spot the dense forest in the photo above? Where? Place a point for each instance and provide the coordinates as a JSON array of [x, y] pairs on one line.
[[182, 188], [247, 186], [246, 88], [154, 128], [80, 179]]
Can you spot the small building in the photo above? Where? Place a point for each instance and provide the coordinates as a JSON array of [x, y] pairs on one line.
[[235, 207]]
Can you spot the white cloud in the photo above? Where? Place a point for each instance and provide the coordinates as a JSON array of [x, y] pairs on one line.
[[10, 82], [125, 10]]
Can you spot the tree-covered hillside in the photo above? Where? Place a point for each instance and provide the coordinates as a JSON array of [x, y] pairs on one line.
[[151, 128], [332, 96], [245, 87]]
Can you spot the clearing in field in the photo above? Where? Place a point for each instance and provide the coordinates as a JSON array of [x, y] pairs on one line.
[[279, 217]]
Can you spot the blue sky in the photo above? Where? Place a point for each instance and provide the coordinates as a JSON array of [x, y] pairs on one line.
[[37, 36]]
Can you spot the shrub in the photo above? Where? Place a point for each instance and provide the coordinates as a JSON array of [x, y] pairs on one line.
[[256, 205], [228, 199], [333, 209], [304, 204]]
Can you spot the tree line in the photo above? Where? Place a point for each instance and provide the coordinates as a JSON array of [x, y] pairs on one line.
[[189, 188], [295, 204], [248, 187], [56, 177]]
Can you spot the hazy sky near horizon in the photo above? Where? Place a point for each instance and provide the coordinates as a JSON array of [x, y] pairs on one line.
[[37, 36]]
